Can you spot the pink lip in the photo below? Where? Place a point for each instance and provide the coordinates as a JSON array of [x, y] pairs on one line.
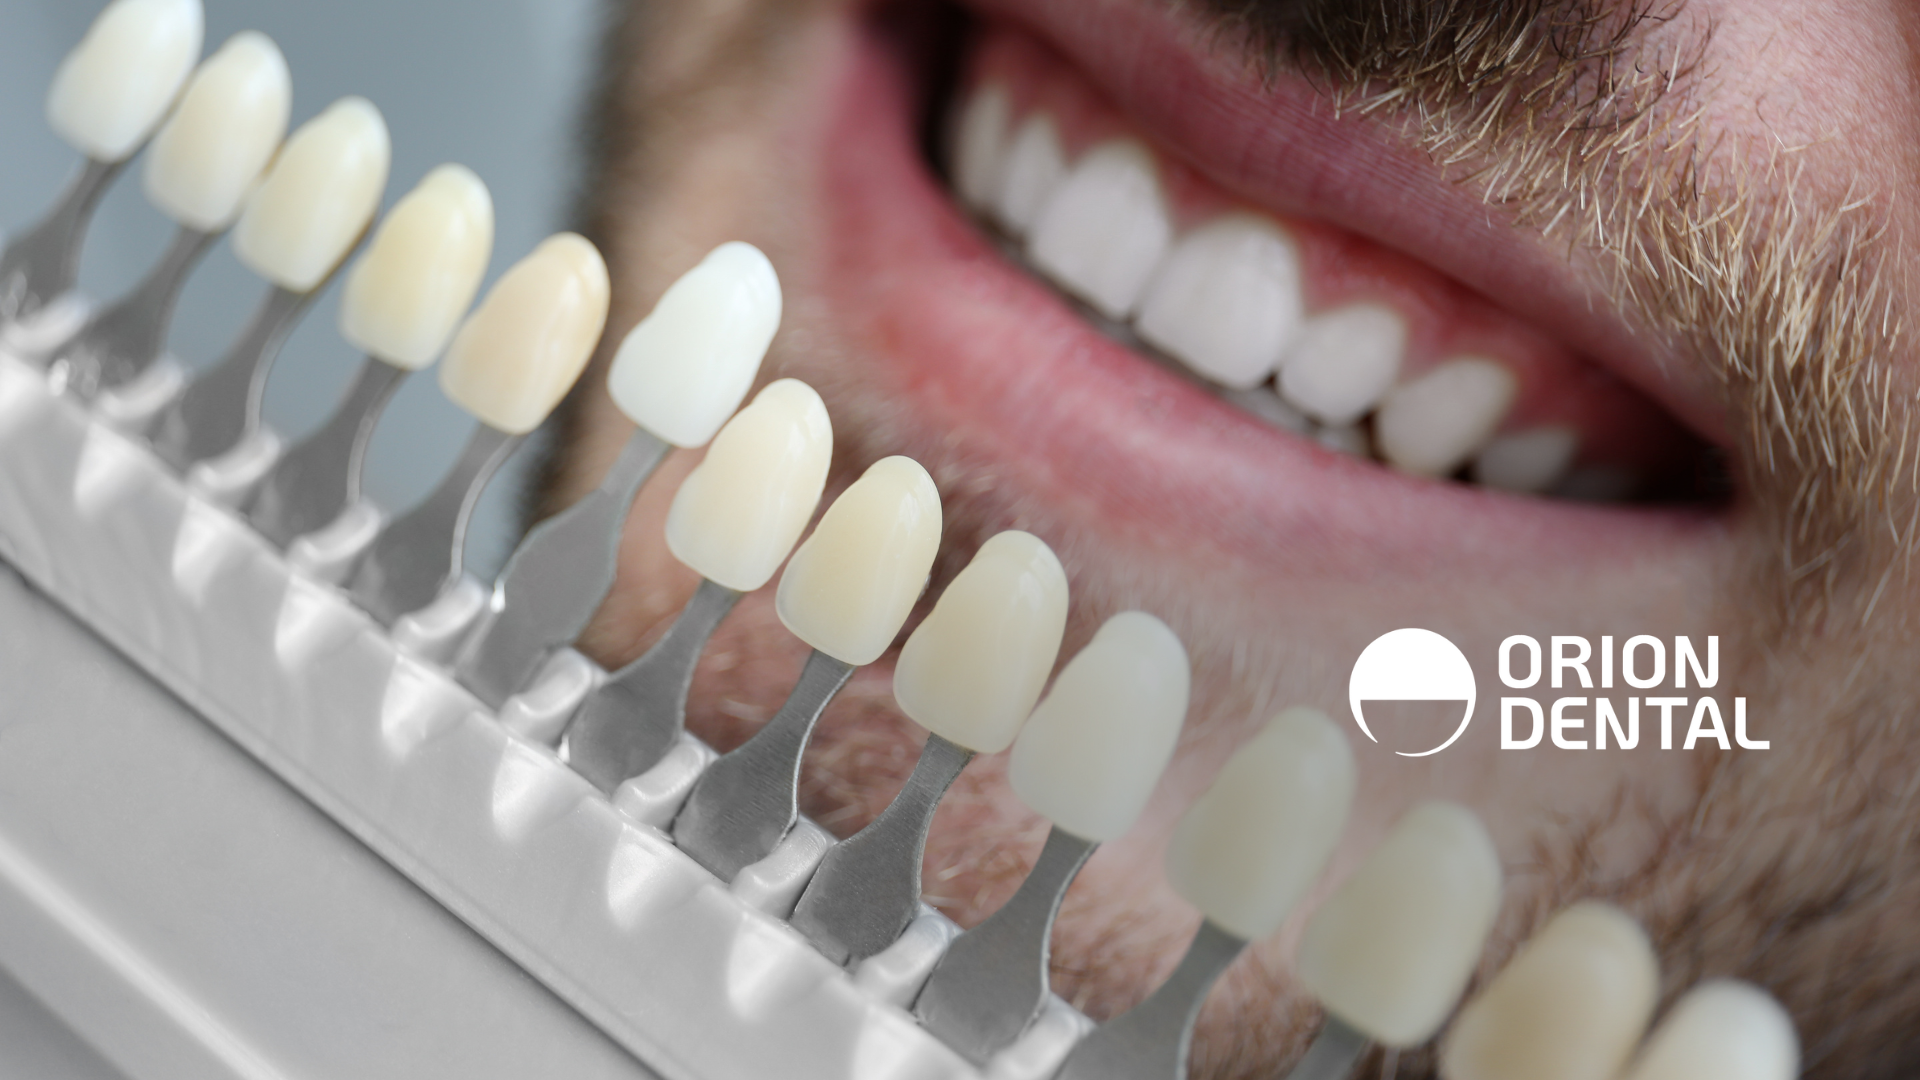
[[987, 374]]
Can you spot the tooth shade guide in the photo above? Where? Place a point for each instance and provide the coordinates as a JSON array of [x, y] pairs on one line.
[[315, 481], [972, 671], [1251, 845], [555, 580], [418, 276], [739, 513], [122, 340], [634, 719], [521, 349], [1722, 1029], [685, 368], [418, 555], [849, 587], [209, 154], [1573, 1003], [318, 198], [992, 981], [112, 90], [1391, 950], [867, 889], [1152, 1040], [1093, 750], [748, 799]]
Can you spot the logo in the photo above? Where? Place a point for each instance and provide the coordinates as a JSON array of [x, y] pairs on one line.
[[1411, 664]]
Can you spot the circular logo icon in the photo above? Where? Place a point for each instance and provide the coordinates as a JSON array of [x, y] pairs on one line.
[[1412, 664]]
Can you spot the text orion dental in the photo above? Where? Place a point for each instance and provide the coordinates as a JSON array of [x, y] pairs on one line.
[[1642, 663]]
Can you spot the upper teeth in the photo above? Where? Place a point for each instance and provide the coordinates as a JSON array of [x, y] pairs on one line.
[[1226, 298]]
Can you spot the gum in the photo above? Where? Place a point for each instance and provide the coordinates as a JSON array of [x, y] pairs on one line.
[[691, 976]]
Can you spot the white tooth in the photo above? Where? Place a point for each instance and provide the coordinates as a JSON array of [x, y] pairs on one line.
[[685, 368], [419, 274], [231, 118], [1392, 949], [1350, 439], [1532, 461], [980, 145], [1226, 300], [1091, 754], [514, 358], [740, 511], [849, 588], [1722, 1029], [1253, 843], [1033, 167], [120, 80], [1105, 228], [1343, 362], [323, 189], [971, 671], [1262, 402], [1572, 1005], [1433, 424]]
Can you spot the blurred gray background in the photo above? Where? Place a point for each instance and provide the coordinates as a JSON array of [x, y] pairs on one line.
[[493, 84]]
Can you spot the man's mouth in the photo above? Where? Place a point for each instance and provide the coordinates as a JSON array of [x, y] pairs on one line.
[[1306, 327], [1269, 330]]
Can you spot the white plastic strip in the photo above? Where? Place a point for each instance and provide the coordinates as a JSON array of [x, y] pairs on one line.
[[601, 908]]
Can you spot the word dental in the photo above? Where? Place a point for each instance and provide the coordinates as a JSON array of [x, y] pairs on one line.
[[1642, 665]]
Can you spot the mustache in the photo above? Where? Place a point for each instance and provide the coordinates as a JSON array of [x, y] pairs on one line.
[[1599, 123]]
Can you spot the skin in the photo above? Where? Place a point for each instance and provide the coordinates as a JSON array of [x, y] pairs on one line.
[[1790, 867]]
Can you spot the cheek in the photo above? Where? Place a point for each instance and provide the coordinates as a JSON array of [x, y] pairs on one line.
[[1839, 93]]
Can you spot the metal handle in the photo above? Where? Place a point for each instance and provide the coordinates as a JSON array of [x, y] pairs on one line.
[[42, 264], [418, 554], [868, 887], [555, 580], [220, 407], [1151, 1042], [313, 482], [124, 340], [747, 800], [630, 722], [992, 981]]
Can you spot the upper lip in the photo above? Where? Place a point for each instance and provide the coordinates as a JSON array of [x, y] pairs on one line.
[[1279, 143]]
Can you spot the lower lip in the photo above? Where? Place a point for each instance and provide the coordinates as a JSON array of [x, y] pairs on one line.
[[999, 379]]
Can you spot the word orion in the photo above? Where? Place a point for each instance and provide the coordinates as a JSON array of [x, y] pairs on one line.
[[1642, 664]]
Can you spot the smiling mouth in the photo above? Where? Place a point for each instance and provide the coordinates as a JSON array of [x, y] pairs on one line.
[[1333, 343]]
